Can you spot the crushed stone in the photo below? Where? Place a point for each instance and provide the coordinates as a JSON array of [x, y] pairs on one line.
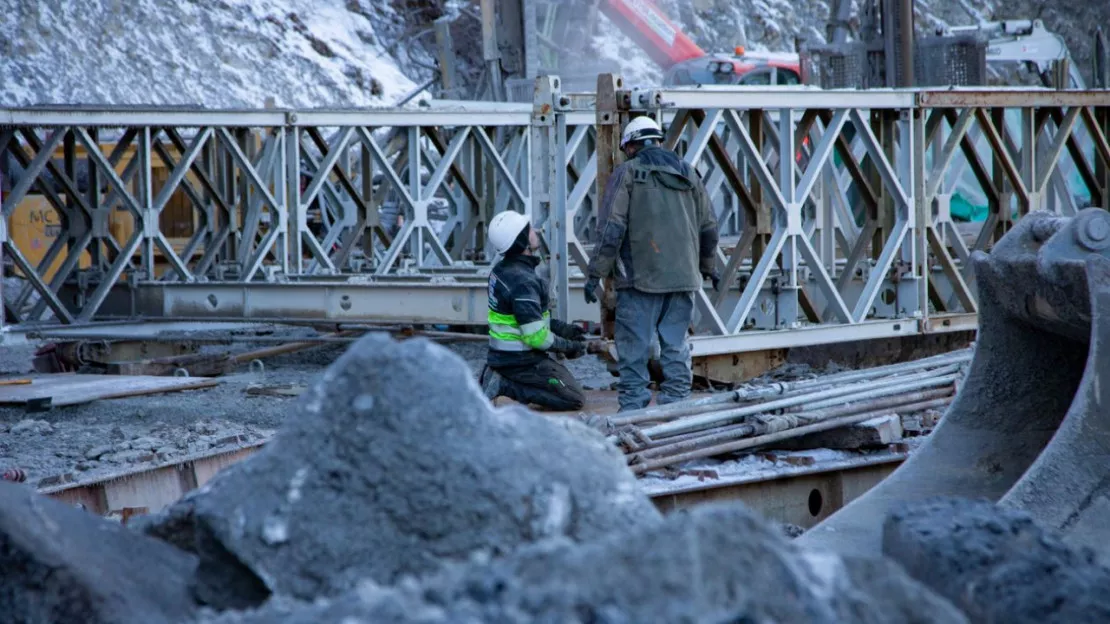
[[189, 422]]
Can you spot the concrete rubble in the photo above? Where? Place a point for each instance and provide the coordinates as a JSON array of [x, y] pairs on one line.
[[61, 565], [719, 563], [996, 564], [409, 464], [396, 493]]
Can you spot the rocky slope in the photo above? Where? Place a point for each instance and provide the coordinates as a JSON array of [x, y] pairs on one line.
[[342, 53]]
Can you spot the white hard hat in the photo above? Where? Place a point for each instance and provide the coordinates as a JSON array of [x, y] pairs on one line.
[[641, 129], [504, 229]]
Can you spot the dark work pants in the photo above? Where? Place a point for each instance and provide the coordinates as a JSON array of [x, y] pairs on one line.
[[642, 317], [545, 383]]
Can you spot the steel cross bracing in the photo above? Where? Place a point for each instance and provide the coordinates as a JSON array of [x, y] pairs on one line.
[[836, 208], [150, 198]]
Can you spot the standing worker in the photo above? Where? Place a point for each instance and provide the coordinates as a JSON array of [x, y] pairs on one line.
[[521, 330], [659, 242]]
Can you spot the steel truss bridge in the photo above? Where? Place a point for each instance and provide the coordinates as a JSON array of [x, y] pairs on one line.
[[835, 207]]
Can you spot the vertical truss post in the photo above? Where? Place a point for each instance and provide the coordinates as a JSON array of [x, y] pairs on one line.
[[922, 210], [557, 218], [1001, 180], [608, 122], [764, 226], [910, 150], [370, 215], [294, 241], [1028, 165], [145, 196], [549, 185], [99, 217], [280, 171], [790, 220], [885, 128], [419, 209]]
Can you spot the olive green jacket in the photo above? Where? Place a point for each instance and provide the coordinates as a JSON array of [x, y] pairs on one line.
[[659, 233]]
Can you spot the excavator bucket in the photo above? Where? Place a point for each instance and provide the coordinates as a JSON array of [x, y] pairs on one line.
[[1030, 426]]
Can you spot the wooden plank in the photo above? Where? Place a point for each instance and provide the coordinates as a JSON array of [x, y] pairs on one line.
[[72, 389]]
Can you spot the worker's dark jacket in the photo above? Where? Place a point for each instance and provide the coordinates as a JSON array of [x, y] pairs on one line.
[[660, 233], [520, 327]]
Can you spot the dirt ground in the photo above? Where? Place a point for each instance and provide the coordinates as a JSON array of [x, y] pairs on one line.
[[111, 435]]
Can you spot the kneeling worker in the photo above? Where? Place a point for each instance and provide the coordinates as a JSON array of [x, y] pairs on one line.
[[521, 330]]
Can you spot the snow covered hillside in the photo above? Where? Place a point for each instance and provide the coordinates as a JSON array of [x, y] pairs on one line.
[[350, 53], [211, 53]]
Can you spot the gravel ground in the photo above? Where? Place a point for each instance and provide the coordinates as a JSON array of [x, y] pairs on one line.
[[103, 437]]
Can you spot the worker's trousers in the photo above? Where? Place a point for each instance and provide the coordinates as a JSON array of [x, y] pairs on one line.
[[546, 383], [641, 318]]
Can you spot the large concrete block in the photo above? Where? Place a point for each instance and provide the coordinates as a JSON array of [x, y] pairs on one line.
[[393, 463]]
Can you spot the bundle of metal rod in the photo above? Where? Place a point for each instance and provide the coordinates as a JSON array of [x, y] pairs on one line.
[[763, 440], [762, 419], [816, 396], [770, 423], [715, 402]]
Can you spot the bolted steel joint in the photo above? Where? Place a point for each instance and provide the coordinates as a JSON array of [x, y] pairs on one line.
[[1092, 230]]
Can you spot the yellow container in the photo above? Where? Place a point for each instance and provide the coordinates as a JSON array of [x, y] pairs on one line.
[[33, 227]]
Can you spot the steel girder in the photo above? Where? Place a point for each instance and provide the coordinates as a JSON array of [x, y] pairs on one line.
[[835, 207]]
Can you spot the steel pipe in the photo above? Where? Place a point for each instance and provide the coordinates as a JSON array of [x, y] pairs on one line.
[[747, 443], [710, 403], [911, 382], [739, 431]]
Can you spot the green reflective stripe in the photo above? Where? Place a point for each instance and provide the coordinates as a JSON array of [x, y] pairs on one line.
[[507, 335], [507, 345], [550, 340], [542, 340], [537, 334], [497, 318]]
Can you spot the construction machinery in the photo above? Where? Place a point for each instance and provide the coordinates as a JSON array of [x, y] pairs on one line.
[[549, 37], [1029, 43], [1029, 427]]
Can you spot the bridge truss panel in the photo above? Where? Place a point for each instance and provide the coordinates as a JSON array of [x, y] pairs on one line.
[[247, 197], [843, 214]]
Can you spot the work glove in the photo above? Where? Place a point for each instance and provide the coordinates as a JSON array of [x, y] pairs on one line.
[[715, 277], [572, 349], [570, 331], [577, 350], [591, 288]]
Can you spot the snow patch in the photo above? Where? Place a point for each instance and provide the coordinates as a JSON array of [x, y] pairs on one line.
[[229, 54]]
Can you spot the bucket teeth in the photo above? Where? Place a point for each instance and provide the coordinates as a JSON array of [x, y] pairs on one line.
[[1030, 426]]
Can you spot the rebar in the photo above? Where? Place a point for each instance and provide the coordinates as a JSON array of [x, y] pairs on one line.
[[739, 431], [747, 443], [782, 389], [909, 382]]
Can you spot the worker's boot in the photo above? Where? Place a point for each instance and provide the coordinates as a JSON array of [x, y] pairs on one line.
[[490, 380]]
